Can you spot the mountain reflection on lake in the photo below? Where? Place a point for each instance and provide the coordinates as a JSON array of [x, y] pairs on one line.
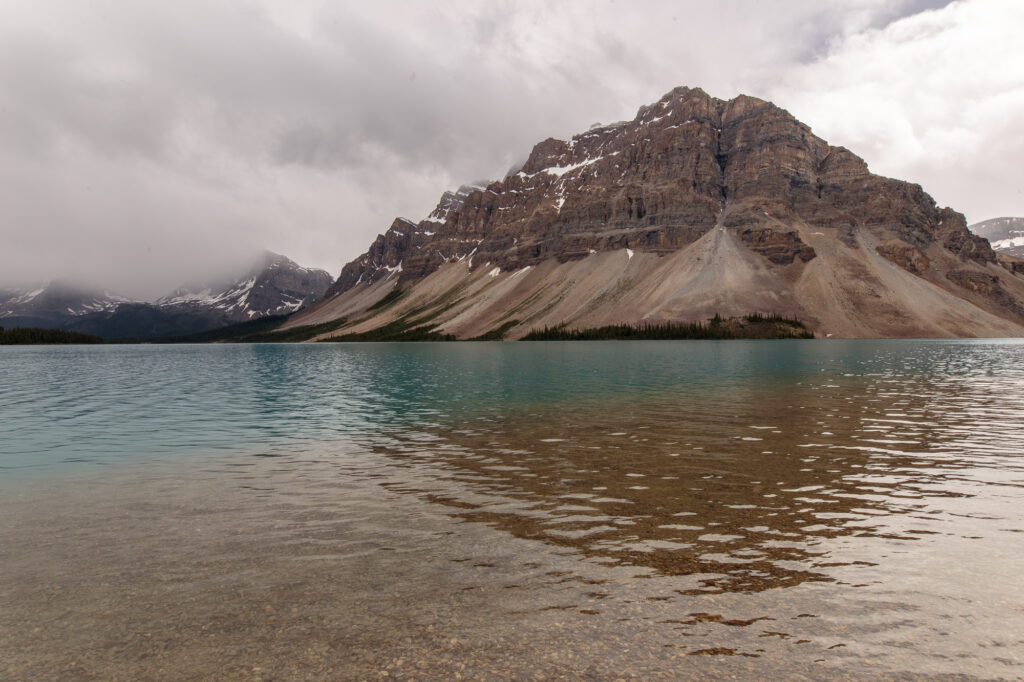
[[653, 509]]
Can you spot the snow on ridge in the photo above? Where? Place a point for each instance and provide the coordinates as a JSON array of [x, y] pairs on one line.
[[392, 270], [559, 171], [522, 271], [599, 128], [231, 297], [21, 297]]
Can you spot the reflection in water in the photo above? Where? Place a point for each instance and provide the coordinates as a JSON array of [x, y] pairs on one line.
[[833, 478], [500, 510], [742, 488]]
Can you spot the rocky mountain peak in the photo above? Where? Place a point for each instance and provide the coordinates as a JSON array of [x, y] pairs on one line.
[[273, 285], [452, 201], [662, 183]]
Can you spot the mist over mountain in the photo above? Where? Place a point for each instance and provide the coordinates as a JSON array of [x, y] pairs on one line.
[[50, 304], [272, 285]]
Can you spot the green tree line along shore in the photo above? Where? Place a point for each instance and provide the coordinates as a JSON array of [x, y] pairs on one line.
[[35, 336], [754, 326]]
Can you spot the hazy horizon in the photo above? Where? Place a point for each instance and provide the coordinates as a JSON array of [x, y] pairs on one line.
[[145, 145]]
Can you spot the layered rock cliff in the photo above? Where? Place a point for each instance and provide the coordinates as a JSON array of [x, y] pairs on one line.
[[697, 206]]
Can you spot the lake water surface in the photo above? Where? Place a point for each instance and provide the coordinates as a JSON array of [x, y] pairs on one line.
[[793, 509]]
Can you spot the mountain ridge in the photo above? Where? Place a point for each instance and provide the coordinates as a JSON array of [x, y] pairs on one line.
[[698, 206], [272, 286]]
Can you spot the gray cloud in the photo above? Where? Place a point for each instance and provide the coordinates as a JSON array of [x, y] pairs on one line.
[[145, 143]]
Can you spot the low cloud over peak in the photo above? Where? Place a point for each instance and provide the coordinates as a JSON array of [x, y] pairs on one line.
[[142, 143]]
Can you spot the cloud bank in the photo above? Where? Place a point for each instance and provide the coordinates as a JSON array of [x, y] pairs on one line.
[[143, 144]]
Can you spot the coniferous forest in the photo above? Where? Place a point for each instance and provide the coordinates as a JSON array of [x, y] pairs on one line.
[[36, 336]]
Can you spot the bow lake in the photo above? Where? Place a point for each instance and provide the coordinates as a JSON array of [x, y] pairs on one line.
[[806, 509]]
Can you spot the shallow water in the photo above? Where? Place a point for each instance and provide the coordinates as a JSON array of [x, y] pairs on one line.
[[646, 509]]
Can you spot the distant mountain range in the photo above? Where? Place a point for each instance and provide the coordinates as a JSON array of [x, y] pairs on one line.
[[1005, 234], [58, 300], [695, 208], [274, 285], [698, 208]]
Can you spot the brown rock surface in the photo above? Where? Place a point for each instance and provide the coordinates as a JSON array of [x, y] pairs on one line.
[[904, 255], [696, 206]]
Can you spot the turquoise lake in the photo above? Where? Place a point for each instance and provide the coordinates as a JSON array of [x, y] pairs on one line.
[[695, 509]]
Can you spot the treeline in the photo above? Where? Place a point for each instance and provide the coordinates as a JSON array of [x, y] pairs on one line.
[[755, 326], [20, 336]]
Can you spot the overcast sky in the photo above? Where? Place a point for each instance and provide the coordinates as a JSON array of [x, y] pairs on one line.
[[143, 143]]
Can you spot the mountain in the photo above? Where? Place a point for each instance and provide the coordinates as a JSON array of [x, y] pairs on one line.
[[52, 305], [1005, 234], [274, 285], [695, 207]]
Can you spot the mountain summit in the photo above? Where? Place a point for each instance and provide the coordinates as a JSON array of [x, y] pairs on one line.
[[696, 207], [274, 285]]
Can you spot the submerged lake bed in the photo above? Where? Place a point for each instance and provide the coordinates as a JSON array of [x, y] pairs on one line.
[[786, 509]]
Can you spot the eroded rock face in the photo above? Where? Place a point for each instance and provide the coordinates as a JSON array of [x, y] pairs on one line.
[[987, 286], [905, 256], [978, 282], [781, 248]]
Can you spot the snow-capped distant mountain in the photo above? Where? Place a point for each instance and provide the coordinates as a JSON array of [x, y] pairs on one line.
[[53, 304], [274, 285], [1005, 234]]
